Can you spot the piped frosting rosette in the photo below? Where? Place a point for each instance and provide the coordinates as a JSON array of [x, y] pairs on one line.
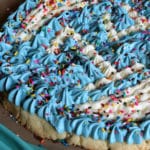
[[81, 66]]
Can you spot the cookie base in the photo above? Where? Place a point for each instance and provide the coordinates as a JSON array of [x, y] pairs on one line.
[[44, 130]]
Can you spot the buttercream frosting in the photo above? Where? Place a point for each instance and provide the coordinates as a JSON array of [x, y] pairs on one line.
[[84, 68]]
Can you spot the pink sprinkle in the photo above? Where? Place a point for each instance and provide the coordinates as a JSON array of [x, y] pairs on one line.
[[27, 12], [42, 141], [46, 94], [39, 5], [31, 81], [127, 92], [136, 97], [116, 62], [81, 50], [49, 30], [136, 103], [52, 84], [36, 61], [110, 111], [118, 91], [108, 124], [141, 133], [114, 98], [134, 49], [129, 115], [23, 26], [43, 74], [122, 111], [47, 114], [17, 86], [44, 46], [146, 32], [45, 10], [87, 111]]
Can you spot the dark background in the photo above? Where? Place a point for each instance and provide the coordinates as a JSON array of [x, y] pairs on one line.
[[6, 8]]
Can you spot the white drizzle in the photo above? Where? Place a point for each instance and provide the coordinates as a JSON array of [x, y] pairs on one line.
[[142, 91]]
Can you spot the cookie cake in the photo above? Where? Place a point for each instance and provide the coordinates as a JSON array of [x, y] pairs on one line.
[[79, 70]]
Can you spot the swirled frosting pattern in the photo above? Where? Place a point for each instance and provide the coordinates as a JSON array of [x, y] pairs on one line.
[[58, 69]]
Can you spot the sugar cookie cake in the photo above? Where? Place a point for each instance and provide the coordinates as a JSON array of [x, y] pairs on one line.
[[79, 70]]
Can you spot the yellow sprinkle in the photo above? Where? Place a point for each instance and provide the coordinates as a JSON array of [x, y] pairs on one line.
[[31, 88], [119, 112], [104, 69], [50, 6], [28, 61], [59, 0], [138, 96], [33, 95], [59, 72], [78, 84], [103, 130], [110, 36], [55, 44], [42, 94], [113, 50], [20, 17], [130, 119], [16, 53], [106, 106], [73, 48], [25, 38], [71, 32], [82, 4], [57, 62], [112, 104]]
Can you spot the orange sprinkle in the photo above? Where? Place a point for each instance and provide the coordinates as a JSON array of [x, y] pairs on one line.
[[42, 141]]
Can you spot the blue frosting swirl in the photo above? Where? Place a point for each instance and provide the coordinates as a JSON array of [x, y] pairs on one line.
[[121, 18], [134, 136]]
